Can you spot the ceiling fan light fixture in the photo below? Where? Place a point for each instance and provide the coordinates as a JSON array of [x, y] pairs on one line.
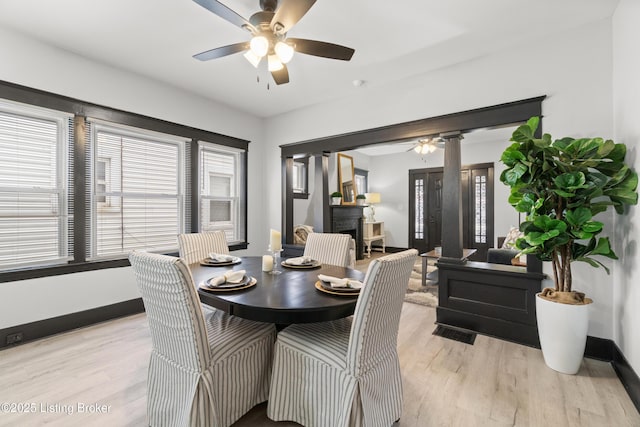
[[274, 63], [259, 46], [284, 52], [252, 58], [418, 149]]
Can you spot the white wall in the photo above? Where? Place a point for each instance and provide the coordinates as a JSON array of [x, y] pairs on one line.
[[626, 114], [573, 69], [34, 64]]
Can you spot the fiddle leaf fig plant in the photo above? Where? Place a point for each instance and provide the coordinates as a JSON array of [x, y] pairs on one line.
[[562, 185]]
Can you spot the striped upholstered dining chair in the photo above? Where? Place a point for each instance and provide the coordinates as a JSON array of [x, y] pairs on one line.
[[205, 369], [346, 372], [329, 248], [196, 246]]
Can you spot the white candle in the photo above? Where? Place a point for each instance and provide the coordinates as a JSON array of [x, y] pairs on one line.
[[276, 240], [267, 263]]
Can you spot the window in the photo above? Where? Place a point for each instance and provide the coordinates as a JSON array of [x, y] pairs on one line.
[[222, 190], [480, 208], [300, 174], [33, 186], [362, 178], [133, 188], [419, 208], [138, 196]]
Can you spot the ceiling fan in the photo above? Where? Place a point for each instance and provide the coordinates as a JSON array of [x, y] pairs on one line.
[[428, 145], [269, 29]]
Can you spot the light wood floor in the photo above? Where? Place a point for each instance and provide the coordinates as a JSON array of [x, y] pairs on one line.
[[446, 383]]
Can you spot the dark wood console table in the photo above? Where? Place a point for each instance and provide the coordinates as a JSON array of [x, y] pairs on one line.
[[491, 299]]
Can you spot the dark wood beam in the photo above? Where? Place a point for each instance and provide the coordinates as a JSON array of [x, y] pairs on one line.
[[495, 115]]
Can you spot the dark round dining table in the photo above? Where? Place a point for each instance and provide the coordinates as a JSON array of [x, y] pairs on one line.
[[286, 298]]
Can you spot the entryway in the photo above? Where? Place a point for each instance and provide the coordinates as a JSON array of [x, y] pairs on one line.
[[425, 208]]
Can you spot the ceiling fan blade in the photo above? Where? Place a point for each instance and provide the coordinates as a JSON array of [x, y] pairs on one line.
[[225, 13], [222, 51], [281, 76], [289, 12], [323, 49]]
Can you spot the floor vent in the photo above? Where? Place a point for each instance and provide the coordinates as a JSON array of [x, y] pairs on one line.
[[454, 334]]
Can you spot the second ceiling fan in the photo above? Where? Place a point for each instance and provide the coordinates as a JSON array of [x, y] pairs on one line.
[[269, 29]]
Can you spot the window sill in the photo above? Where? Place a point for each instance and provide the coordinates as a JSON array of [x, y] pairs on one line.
[[57, 270]]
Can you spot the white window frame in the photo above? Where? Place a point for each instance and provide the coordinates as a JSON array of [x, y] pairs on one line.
[[236, 225], [107, 182], [300, 173], [98, 126], [62, 170]]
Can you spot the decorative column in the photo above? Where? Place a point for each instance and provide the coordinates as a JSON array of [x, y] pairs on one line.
[[452, 200], [320, 202]]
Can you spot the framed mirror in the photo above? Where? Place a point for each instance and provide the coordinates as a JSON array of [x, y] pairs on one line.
[[346, 179]]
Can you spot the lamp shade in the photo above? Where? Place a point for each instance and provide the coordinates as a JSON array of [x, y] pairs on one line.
[[372, 198], [259, 46]]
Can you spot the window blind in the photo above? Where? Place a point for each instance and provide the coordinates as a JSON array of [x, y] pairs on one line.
[[33, 186], [137, 198], [221, 197]]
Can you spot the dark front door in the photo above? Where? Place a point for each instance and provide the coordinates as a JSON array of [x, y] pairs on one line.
[[425, 208], [434, 210]]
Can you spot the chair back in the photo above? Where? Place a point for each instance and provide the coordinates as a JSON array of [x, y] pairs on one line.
[[178, 333], [196, 246], [374, 332], [328, 248]]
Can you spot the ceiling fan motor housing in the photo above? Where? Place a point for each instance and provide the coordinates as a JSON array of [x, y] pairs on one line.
[[262, 20], [269, 5]]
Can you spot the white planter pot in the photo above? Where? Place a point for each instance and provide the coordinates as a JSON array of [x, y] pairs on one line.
[[336, 200], [563, 334]]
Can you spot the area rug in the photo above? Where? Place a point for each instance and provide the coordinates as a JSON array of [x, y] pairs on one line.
[[416, 293]]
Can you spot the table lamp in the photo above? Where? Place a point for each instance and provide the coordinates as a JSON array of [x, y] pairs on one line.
[[372, 199]]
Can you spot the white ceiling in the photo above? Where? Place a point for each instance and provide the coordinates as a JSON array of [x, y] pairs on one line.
[[393, 40]]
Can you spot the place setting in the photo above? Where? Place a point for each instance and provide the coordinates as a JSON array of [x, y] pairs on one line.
[[229, 281], [338, 286], [303, 262], [220, 260]]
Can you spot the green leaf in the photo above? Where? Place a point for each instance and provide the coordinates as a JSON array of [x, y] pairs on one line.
[[533, 123], [618, 153], [578, 216], [513, 175], [570, 181], [511, 157], [604, 248], [592, 227], [593, 263], [606, 148], [524, 133]]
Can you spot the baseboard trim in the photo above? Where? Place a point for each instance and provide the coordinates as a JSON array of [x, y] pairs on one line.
[[387, 249], [47, 327], [628, 377], [599, 348]]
